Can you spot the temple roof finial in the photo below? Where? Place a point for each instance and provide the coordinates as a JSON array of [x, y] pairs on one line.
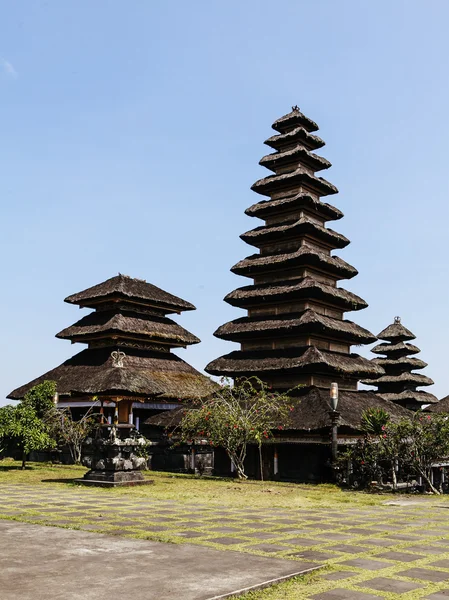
[[295, 108], [397, 320]]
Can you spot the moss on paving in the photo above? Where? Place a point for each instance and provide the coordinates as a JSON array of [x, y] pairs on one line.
[[45, 494]]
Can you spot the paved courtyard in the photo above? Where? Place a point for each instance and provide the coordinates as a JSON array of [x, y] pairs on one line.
[[391, 551]]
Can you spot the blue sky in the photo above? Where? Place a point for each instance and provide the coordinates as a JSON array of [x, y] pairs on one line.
[[131, 134]]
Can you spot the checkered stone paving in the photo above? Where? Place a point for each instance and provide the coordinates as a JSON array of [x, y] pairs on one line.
[[379, 552]]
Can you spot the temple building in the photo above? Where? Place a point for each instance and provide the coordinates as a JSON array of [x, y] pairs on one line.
[[129, 340], [295, 331], [399, 384]]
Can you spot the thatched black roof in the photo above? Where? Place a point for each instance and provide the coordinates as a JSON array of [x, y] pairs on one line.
[[275, 183], [304, 256], [410, 397], [293, 230], [402, 378], [287, 291], [404, 362], [137, 290], [143, 374], [292, 155], [396, 350], [118, 325], [293, 119], [306, 359], [440, 406], [396, 332], [297, 135], [311, 412], [309, 322], [266, 208]]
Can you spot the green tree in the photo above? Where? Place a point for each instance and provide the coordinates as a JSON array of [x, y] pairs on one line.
[[20, 425], [408, 447], [41, 398], [68, 432], [235, 416]]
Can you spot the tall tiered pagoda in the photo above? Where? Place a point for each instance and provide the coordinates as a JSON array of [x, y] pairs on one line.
[[295, 331], [129, 339], [399, 382]]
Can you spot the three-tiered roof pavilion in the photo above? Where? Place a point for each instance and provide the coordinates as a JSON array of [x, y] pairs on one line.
[[295, 331], [129, 338]]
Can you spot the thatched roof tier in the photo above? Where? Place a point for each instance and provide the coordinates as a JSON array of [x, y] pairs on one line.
[[123, 325], [303, 226], [267, 208], [311, 411], [290, 181], [402, 363], [413, 379], [299, 135], [293, 119], [440, 406], [293, 156], [396, 350], [144, 374], [309, 322], [122, 287], [396, 332], [410, 397], [309, 359], [305, 256], [254, 295]]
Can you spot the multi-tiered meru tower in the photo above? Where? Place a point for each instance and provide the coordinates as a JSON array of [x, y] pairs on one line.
[[399, 383], [130, 339], [295, 331]]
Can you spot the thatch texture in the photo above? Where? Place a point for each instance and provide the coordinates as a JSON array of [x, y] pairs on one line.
[[124, 287], [402, 363], [440, 406], [123, 325], [294, 230], [396, 350], [254, 295], [308, 322], [396, 332], [410, 397], [93, 371], [311, 412], [308, 360], [292, 155], [297, 135], [266, 208], [402, 378], [304, 256], [275, 183], [295, 118]]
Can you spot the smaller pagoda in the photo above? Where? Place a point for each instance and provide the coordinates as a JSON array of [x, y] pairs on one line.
[[127, 365], [399, 384]]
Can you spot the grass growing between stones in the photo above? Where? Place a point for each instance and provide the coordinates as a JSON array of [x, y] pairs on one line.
[[315, 525]]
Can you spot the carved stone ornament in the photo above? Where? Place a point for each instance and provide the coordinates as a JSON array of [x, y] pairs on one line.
[[117, 358]]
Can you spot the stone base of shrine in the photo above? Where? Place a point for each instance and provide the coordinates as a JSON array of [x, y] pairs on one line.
[[113, 478]]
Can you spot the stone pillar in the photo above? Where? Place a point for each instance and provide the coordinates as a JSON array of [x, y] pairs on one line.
[[192, 458]]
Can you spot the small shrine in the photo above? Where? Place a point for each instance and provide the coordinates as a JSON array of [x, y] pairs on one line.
[[399, 384], [127, 368]]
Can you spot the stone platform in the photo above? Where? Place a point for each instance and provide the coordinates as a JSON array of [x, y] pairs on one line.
[[63, 564]]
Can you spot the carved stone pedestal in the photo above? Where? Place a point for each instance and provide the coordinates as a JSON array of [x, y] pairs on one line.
[[113, 458]]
